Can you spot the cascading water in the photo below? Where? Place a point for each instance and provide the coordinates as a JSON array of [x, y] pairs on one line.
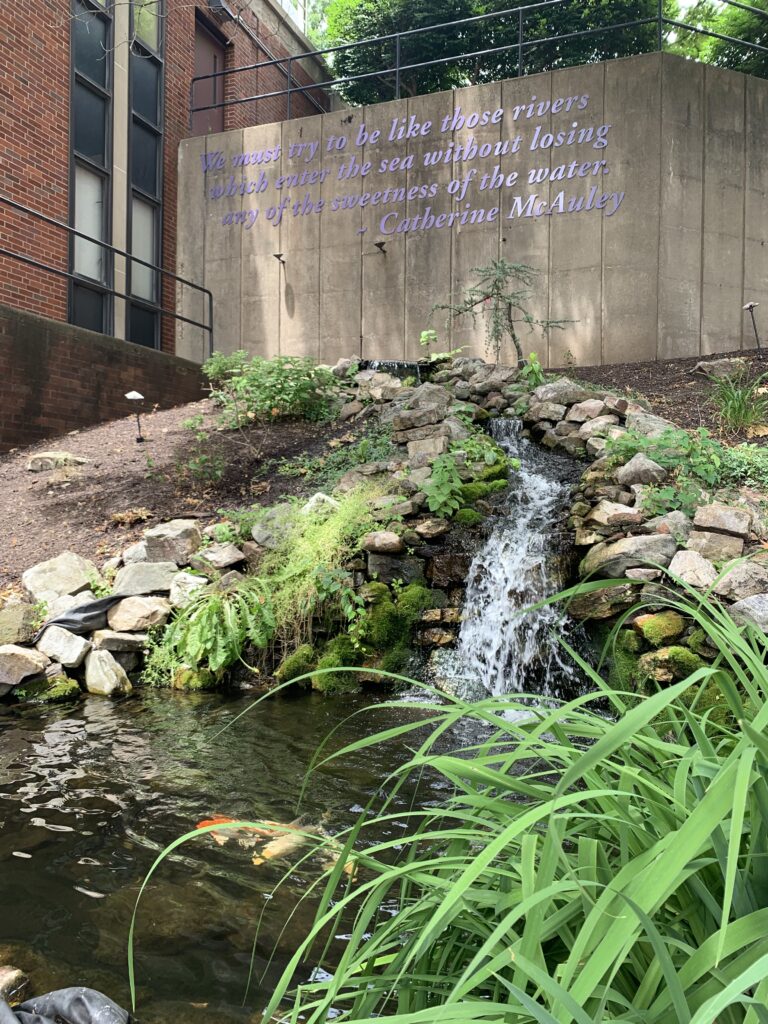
[[499, 648]]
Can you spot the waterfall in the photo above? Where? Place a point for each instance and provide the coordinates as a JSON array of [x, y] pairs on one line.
[[499, 648]]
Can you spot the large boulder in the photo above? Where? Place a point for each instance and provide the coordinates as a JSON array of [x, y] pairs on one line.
[[723, 519], [613, 560], [172, 542], [587, 410], [68, 573], [104, 676], [564, 391], [17, 663], [145, 578], [137, 614], [640, 470], [64, 647], [693, 569]]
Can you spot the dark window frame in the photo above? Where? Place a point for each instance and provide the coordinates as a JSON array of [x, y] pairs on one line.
[[104, 171]]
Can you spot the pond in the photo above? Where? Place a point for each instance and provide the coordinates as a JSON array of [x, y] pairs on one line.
[[89, 794]]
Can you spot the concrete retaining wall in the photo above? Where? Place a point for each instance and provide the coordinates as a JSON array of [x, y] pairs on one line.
[[664, 242]]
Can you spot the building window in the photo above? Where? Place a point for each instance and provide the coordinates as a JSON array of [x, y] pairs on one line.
[[91, 102], [146, 170]]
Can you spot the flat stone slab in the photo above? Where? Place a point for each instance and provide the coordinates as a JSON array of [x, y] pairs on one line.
[[44, 462], [138, 614], [111, 640], [145, 578], [174, 541], [723, 519], [717, 547]]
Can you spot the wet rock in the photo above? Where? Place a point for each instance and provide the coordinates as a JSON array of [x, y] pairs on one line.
[[544, 411], [563, 391], [386, 568], [752, 611], [49, 690], [640, 470], [587, 410], [44, 462], [138, 614], [668, 664], [135, 553], [717, 547], [586, 538], [383, 542], [614, 559], [746, 580], [721, 367], [661, 628], [174, 541], [14, 985], [648, 425], [449, 569], [693, 568], [17, 663], [602, 604], [431, 529], [104, 676], [17, 623], [723, 519], [68, 573], [66, 648], [185, 585], [573, 444], [218, 557], [111, 640], [437, 637], [145, 578]]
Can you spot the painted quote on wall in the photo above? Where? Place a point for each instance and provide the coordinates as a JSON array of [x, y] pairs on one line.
[[570, 160]]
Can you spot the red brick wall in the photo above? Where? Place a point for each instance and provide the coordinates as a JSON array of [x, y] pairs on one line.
[[55, 378], [34, 150]]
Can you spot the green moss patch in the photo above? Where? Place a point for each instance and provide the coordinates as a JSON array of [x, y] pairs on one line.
[[470, 493], [300, 663], [468, 518], [661, 628], [48, 691]]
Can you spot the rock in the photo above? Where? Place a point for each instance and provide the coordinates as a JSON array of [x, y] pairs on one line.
[[544, 411], [573, 444], [342, 367], [128, 661], [717, 547], [383, 542], [668, 664], [44, 462], [746, 580], [68, 573], [602, 604], [422, 416], [752, 611], [253, 554], [17, 663], [660, 628], [14, 985], [137, 614], [49, 690], [484, 383], [563, 391], [318, 502], [723, 519], [172, 542], [676, 524], [721, 367], [217, 556], [693, 568], [427, 395], [184, 586], [111, 640], [103, 675], [450, 568], [563, 429], [430, 446], [596, 446], [230, 579], [431, 529], [70, 601], [17, 623], [437, 637], [135, 553], [610, 513], [455, 428], [276, 522], [613, 559], [421, 433], [615, 404], [66, 648], [350, 410], [111, 565], [645, 575], [647, 425], [385, 568], [185, 678], [145, 578], [640, 470], [587, 410], [586, 538]]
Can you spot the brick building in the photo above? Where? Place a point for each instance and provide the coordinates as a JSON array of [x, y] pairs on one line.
[[94, 99]]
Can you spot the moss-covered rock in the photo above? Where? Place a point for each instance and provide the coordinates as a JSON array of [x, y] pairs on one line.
[[498, 471], [374, 592], [623, 654], [48, 691], [396, 660], [468, 517], [300, 663], [660, 628], [384, 626], [470, 493], [668, 664], [339, 653], [700, 644], [193, 679]]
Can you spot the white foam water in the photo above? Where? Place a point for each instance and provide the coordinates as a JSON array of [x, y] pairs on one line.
[[501, 646]]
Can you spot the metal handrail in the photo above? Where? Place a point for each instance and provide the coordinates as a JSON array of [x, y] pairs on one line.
[[521, 45], [113, 250]]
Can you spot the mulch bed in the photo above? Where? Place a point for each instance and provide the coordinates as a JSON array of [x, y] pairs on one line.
[[42, 514], [672, 389]]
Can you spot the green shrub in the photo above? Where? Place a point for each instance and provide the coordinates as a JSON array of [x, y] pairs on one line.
[[693, 452], [266, 389], [443, 487], [746, 464], [738, 401]]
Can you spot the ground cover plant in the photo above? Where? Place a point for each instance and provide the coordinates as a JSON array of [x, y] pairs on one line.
[[740, 401], [598, 860]]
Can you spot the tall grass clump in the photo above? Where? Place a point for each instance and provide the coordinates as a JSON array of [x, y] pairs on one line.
[[740, 402]]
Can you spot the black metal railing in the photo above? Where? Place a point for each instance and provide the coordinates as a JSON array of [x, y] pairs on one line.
[[392, 76], [112, 251]]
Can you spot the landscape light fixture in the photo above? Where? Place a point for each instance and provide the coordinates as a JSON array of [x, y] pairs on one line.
[[279, 257], [750, 308], [382, 247], [135, 396]]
